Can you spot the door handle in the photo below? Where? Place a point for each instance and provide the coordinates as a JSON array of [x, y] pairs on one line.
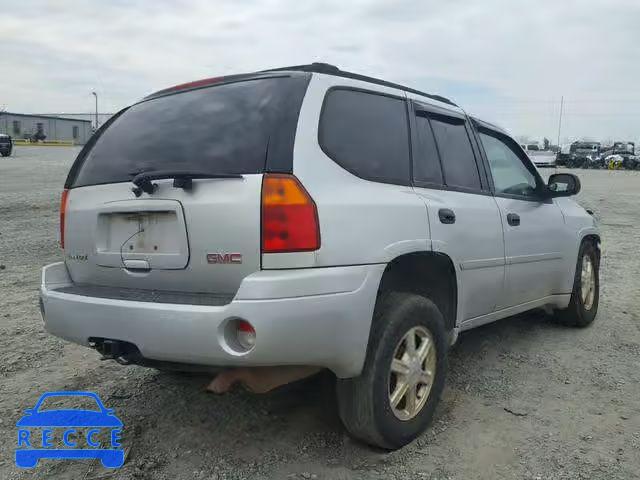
[[513, 219], [447, 216]]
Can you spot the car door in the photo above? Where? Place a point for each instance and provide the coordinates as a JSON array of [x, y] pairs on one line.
[[463, 217], [533, 223]]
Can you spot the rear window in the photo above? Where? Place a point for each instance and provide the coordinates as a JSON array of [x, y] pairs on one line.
[[228, 128], [367, 134]]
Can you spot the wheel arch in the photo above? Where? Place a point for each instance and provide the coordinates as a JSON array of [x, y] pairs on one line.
[[429, 273]]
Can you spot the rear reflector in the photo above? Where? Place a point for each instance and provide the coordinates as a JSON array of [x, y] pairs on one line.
[[289, 216], [63, 209], [246, 334]]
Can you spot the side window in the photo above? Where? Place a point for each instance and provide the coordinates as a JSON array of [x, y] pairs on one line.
[[458, 162], [366, 134], [510, 175], [426, 163]]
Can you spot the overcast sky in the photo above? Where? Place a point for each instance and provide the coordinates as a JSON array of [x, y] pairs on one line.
[[508, 61]]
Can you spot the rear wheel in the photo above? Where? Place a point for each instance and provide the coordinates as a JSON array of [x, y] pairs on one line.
[[585, 296], [394, 398]]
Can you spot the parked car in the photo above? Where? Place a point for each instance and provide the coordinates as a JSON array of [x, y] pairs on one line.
[[539, 156], [586, 155], [315, 217], [623, 151], [6, 145]]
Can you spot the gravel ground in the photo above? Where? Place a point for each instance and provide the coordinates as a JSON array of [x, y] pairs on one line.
[[525, 398]]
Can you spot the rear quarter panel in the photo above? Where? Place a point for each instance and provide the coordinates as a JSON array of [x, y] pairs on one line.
[[360, 221]]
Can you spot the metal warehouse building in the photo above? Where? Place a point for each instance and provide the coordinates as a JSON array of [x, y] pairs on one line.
[[21, 126]]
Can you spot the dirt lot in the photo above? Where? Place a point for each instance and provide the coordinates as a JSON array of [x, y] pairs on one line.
[[525, 399]]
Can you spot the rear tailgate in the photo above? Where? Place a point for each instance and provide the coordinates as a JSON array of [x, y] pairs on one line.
[[204, 239]]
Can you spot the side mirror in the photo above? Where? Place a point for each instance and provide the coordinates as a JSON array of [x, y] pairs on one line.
[[563, 185]]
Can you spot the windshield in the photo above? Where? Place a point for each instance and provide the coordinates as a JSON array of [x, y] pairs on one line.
[[223, 129], [533, 148]]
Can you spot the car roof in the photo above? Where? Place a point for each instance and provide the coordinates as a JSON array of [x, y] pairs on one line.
[[322, 68], [328, 69]]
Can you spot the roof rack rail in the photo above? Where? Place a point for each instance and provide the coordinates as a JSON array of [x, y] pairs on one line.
[[328, 69]]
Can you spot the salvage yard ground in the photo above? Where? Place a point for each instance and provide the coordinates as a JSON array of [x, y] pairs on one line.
[[525, 398]]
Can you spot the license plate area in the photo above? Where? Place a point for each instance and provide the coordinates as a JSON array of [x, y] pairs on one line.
[[153, 232]]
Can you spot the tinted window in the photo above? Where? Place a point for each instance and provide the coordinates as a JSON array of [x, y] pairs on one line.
[[426, 164], [226, 128], [458, 161], [366, 134], [510, 175]]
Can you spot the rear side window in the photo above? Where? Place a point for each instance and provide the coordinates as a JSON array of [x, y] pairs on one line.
[[426, 164], [458, 162], [227, 128], [366, 134]]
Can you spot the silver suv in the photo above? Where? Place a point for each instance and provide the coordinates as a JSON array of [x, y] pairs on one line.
[[307, 216]]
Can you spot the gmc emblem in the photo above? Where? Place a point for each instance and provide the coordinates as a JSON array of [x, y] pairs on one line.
[[224, 258]]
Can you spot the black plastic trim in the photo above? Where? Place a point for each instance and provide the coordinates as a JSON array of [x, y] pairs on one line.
[[149, 296]]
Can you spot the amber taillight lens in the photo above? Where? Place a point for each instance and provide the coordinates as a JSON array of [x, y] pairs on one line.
[[289, 216]]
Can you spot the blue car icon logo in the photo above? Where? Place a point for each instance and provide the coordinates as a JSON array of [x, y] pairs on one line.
[[33, 446]]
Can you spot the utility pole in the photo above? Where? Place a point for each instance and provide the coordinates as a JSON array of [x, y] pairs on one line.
[[96, 95], [560, 119]]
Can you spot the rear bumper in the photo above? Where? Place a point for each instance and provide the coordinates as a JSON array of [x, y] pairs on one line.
[[317, 317]]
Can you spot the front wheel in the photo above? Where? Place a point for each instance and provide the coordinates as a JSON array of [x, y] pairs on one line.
[[585, 296], [393, 400]]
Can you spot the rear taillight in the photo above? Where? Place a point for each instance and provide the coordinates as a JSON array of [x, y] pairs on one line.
[[289, 216], [63, 209]]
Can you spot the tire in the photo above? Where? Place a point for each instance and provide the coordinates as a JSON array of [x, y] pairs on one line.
[[364, 402], [580, 313]]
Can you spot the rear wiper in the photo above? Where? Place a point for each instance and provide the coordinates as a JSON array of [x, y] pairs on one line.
[[143, 181]]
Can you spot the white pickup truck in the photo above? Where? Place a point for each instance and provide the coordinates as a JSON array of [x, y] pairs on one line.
[[539, 156]]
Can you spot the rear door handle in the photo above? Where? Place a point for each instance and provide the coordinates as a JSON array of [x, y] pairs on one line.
[[513, 219], [447, 216]]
